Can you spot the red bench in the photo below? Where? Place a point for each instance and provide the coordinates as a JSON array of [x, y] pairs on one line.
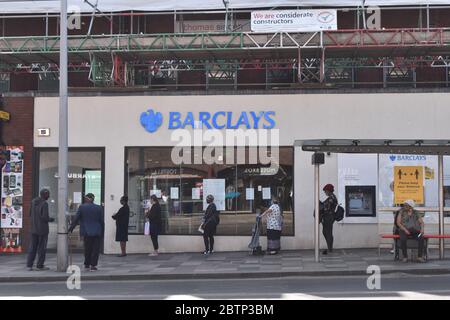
[[425, 236]]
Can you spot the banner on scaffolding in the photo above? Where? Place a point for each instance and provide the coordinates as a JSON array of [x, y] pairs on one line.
[[11, 162], [294, 20]]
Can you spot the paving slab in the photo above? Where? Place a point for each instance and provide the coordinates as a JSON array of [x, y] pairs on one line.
[[224, 265]]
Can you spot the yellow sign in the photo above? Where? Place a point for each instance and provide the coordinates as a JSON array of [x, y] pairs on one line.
[[408, 184], [4, 115]]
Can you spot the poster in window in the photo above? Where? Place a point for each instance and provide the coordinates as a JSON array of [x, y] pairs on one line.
[[11, 240], [11, 216], [250, 193], [215, 187], [93, 184], [266, 193], [174, 194], [195, 193]]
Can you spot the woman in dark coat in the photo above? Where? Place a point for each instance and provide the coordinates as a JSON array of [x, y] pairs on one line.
[[154, 216], [210, 221], [122, 218]]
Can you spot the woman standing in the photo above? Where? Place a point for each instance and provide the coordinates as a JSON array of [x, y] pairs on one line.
[[122, 218], [209, 226], [154, 217], [274, 226], [329, 207]]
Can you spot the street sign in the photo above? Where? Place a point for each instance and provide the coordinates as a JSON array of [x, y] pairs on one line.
[[408, 184]]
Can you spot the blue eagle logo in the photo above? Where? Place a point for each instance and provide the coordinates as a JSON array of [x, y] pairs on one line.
[[151, 120]]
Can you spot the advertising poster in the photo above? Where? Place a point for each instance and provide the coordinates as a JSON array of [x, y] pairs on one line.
[[216, 187], [294, 20], [12, 197]]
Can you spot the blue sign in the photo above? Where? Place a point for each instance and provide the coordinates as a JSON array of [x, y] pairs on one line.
[[152, 120]]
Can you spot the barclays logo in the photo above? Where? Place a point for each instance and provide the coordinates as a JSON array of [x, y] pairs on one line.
[[219, 120], [408, 158], [151, 120]]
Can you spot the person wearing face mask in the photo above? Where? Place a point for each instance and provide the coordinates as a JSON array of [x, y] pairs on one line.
[[210, 221], [274, 226]]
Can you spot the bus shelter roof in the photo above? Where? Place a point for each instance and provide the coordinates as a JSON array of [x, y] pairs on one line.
[[425, 147]]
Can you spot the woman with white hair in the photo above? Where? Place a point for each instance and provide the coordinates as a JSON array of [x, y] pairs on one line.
[[411, 226], [274, 221]]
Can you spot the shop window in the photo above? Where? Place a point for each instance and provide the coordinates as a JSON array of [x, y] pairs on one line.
[[241, 190], [84, 176]]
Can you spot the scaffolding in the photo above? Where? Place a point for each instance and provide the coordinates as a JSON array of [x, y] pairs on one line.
[[220, 59]]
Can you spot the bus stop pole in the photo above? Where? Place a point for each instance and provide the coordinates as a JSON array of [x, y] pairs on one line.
[[62, 242], [316, 211], [441, 204]]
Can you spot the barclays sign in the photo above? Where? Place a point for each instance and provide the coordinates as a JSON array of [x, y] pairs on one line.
[[152, 120]]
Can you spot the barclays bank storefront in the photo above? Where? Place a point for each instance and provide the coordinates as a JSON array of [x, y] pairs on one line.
[[238, 147]]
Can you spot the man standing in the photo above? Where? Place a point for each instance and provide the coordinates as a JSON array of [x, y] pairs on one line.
[[90, 217], [39, 230]]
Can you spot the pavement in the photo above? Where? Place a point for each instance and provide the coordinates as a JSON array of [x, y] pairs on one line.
[[225, 265]]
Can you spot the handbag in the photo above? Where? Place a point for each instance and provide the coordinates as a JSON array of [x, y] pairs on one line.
[[147, 228]]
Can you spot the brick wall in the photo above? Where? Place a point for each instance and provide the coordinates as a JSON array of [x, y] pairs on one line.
[[19, 131]]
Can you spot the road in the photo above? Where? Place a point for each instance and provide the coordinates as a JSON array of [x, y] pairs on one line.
[[397, 286]]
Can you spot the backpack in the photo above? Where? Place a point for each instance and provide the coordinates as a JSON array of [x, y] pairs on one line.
[[339, 213]]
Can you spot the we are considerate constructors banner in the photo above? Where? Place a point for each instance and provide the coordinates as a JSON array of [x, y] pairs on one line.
[[294, 20]]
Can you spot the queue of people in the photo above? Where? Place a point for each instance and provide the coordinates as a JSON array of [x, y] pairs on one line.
[[408, 224]]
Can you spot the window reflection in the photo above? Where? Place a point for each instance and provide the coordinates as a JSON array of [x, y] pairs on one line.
[[247, 188]]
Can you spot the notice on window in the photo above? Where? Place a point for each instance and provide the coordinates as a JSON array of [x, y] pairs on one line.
[[266, 193], [93, 184], [156, 192], [215, 187], [408, 184], [174, 195], [195, 193], [77, 197], [250, 193]]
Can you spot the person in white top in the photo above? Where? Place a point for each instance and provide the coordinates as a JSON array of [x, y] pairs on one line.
[[274, 220]]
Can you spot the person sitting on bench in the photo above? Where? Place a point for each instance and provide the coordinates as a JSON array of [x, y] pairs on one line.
[[411, 226]]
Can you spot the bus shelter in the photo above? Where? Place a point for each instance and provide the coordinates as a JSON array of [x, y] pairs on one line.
[[439, 148]]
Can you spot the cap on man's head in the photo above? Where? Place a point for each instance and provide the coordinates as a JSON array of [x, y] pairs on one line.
[[90, 196], [410, 203], [329, 187]]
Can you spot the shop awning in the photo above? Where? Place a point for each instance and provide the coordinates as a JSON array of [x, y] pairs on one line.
[[426, 147]]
